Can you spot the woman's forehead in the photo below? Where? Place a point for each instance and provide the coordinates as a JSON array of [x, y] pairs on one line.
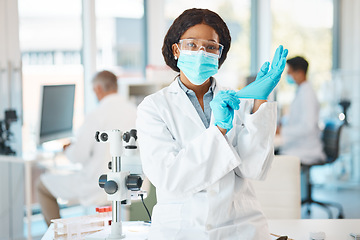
[[201, 31]]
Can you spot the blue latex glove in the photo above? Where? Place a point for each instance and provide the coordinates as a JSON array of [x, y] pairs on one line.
[[223, 106], [266, 80]]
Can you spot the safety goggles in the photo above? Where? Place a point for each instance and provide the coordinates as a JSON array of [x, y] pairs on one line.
[[199, 44]]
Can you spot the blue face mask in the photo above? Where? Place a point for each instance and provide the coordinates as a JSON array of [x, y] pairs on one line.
[[198, 66], [290, 79]]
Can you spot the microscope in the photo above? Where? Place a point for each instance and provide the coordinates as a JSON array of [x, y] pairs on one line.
[[125, 179], [5, 134]]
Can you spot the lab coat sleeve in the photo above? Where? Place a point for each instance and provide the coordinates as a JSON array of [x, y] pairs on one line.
[[82, 150], [181, 169], [253, 139]]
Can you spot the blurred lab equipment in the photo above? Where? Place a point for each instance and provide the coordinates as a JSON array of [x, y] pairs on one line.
[[76, 228], [5, 133], [345, 104]]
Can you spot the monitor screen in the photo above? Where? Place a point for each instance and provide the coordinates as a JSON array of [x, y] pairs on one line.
[[57, 110]]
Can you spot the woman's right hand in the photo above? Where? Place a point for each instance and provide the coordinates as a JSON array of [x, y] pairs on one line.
[[223, 106]]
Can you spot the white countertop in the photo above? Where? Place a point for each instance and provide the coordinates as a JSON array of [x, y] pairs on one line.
[[298, 229]]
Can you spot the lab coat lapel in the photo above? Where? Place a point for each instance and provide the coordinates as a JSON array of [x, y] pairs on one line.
[[182, 101]]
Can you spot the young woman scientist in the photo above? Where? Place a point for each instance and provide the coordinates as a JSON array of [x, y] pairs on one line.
[[199, 145]]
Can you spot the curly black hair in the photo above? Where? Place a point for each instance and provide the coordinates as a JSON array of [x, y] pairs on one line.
[[188, 19]]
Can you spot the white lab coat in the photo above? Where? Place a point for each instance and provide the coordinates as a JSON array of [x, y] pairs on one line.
[[113, 112], [201, 177], [300, 130]]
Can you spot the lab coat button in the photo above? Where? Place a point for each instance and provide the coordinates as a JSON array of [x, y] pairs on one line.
[[208, 227]]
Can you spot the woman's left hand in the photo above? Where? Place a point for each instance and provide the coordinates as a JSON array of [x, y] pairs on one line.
[[266, 80]]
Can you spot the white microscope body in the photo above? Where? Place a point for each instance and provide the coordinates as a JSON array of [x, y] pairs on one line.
[[124, 181]]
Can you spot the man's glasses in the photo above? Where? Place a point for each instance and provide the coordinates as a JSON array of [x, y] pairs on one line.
[[199, 44]]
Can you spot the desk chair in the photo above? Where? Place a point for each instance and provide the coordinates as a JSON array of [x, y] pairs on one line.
[[330, 139], [279, 194]]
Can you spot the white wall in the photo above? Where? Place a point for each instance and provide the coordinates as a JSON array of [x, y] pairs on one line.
[[156, 31], [264, 33], [89, 52], [10, 65], [11, 174], [350, 35], [349, 53], [3, 61]]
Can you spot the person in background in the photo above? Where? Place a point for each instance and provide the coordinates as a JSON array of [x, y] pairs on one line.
[[200, 143], [112, 112], [299, 129]]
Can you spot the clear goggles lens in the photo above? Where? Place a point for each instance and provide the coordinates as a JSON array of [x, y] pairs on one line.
[[198, 44]]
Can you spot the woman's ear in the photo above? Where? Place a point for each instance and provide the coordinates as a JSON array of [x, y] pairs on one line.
[[176, 51]]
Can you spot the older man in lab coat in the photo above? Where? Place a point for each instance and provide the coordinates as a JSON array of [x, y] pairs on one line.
[[113, 112], [299, 130]]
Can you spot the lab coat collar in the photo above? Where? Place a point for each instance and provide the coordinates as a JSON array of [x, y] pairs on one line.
[[175, 87], [185, 89], [186, 106]]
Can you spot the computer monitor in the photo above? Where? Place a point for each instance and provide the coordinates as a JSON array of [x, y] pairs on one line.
[[56, 112]]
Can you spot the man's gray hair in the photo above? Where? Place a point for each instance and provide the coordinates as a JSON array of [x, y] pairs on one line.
[[107, 80]]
